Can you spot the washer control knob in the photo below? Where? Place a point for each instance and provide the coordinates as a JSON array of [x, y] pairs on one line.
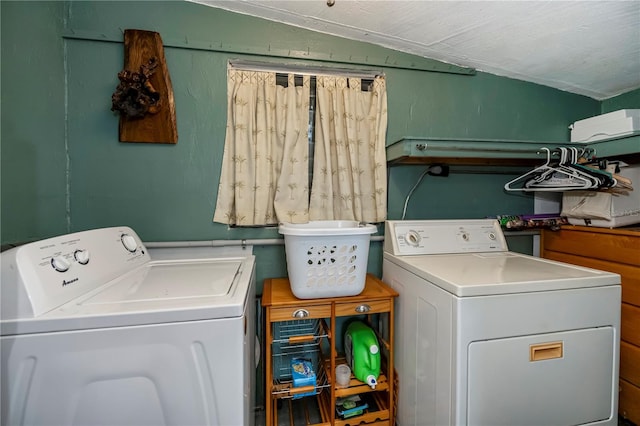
[[465, 236], [412, 238], [60, 264], [129, 242], [492, 236], [82, 256]]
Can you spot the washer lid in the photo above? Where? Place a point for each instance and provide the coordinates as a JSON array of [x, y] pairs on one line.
[[166, 283], [480, 274], [157, 292]]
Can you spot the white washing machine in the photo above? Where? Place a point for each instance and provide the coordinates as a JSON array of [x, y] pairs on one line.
[[95, 332], [485, 336]]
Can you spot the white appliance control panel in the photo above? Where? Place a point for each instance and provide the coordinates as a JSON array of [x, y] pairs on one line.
[[40, 276], [415, 237]]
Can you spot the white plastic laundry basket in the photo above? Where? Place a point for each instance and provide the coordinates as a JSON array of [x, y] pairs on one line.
[[327, 258]]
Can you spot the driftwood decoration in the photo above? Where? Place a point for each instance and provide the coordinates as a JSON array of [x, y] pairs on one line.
[[135, 96], [144, 97]]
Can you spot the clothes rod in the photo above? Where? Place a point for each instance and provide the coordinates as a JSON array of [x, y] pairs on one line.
[[303, 69], [425, 146]]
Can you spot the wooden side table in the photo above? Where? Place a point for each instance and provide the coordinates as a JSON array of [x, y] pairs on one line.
[[307, 327]]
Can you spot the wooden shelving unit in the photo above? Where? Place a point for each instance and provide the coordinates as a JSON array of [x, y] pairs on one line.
[[310, 330]]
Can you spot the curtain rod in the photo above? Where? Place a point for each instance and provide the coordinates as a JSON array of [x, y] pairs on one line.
[[303, 69]]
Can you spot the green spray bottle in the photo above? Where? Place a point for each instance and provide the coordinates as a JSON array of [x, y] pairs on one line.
[[363, 353]]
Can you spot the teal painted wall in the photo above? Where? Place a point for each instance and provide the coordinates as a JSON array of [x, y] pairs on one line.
[[629, 100], [63, 169], [33, 142], [482, 106]]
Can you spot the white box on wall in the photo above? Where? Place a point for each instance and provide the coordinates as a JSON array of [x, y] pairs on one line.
[[616, 124]]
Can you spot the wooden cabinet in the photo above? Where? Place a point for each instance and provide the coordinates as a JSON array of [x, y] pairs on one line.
[[308, 327], [614, 250]]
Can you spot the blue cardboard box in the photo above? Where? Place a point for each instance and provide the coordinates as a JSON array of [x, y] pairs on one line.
[[303, 375]]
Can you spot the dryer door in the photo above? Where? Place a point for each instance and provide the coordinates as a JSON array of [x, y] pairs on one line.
[[551, 379]]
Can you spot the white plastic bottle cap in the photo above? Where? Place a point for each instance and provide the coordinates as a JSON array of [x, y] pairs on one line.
[[373, 349], [371, 381]]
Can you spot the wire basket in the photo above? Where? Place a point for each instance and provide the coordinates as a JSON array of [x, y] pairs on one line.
[[326, 258], [286, 347]]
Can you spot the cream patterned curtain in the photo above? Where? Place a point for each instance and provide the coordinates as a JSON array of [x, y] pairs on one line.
[[349, 173], [266, 151]]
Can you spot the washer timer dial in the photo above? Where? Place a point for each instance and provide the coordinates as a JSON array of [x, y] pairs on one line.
[[60, 264], [129, 242], [412, 238], [82, 256]]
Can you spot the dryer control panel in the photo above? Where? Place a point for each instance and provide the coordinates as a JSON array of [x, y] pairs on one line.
[[416, 237]]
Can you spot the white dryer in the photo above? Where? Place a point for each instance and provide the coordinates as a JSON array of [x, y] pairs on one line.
[[95, 332], [485, 336]]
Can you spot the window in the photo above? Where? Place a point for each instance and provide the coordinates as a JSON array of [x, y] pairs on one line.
[[302, 147], [281, 80]]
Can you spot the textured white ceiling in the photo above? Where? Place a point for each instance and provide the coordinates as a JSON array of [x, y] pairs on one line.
[[586, 47]]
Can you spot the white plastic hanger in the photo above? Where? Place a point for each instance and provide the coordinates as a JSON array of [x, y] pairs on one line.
[[550, 178], [564, 176]]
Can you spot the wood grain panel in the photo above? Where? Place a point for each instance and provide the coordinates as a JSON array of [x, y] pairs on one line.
[[630, 324], [630, 363], [630, 274], [618, 251], [313, 311], [619, 248], [139, 47], [373, 306], [629, 402]]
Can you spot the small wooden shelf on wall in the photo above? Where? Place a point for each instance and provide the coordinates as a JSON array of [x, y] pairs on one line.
[[158, 127]]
